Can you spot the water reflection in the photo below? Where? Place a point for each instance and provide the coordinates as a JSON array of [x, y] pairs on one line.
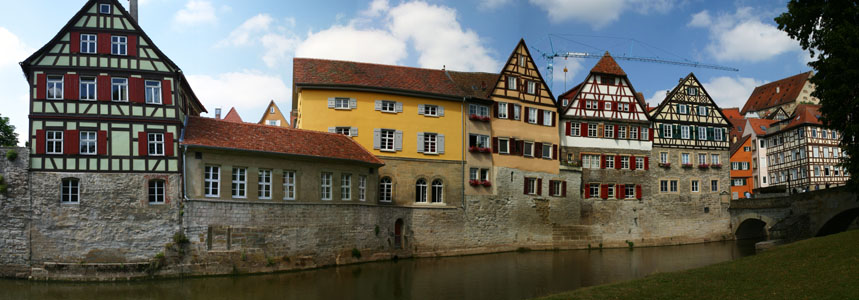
[[494, 276]]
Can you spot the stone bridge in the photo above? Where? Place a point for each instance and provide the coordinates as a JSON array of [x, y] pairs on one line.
[[795, 217]]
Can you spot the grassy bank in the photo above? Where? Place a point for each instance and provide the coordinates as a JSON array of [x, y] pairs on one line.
[[818, 268]]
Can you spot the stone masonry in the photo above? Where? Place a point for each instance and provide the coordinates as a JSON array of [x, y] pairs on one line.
[[14, 214]]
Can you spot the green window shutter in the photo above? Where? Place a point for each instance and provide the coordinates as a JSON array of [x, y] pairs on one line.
[[711, 133], [676, 131], [661, 130]]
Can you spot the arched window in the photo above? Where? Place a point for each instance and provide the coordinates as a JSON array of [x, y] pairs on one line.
[[385, 187], [437, 191], [421, 191], [156, 191]]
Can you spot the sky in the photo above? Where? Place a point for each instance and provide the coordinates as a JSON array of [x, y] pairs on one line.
[[239, 53]]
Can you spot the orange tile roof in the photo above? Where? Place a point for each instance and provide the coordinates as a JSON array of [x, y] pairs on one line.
[[803, 114], [765, 96], [760, 126], [208, 132], [233, 116], [732, 112], [607, 65]]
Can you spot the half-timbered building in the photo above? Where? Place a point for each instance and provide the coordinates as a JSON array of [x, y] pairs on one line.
[[690, 144], [606, 130]]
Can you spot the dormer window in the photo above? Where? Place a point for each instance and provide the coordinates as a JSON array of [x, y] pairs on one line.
[[511, 83], [104, 9], [691, 91]]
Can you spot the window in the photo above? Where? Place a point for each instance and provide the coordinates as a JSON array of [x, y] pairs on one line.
[[548, 118], [575, 129], [685, 159], [387, 140], [484, 174], [621, 132], [681, 108], [421, 191], [362, 188], [517, 112], [55, 87], [325, 185], [430, 143], [702, 110], [747, 149], [288, 185], [388, 106], [264, 184], [673, 186], [663, 157], [666, 130], [87, 88], [529, 149], [624, 162], [694, 185], [153, 92], [714, 185], [639, 163], [691, 91], [341, 103], [437, 191], [532, 115], [477, 110], [714, 159], [629, 191], [825, 170], [104, 9], [718, 134], [88, 43], [702, 158], [624, 107], [609, 131], [532, 87], [702, 133], [684, 132], [345, 186], [212, 181], [118, 45], [119, 89], [531, 186], [645, 133], [156, 143], [547, 151], [607, 106], [633, 133], [591, 161], [610, 193], [385, 189], [156, 192], [271, 110], [478, 141], [431, 110], [511, 82], [239, 182], [813, 132], [521, 61], [606, 80], [609, 161], [555, 188], [343, 130], [502, 110], [54, 142], [503, 146], [592, 130], [594, 190], [473, 174], [70, 191], [663, 186], [88, 142]]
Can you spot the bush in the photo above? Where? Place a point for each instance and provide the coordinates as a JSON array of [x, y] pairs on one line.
[[356, 253], [180, 239], [12, 155], [270, 262], [631, 244]]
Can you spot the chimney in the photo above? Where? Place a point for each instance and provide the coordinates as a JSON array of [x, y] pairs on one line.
[[133, 10], [217, 113]]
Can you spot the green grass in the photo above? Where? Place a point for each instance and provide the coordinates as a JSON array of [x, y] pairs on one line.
[[818, 268]]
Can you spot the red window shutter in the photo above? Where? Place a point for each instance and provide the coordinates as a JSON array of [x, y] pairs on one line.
[[40, 141], [638, 192], [71, 142], [168, 144], [616, 130], [569, 130], [563, 188], [632, 163], [142, 144], [538, 150], [103, 43], [525, 189], [510, 111], [632, 107], [103, 88], [584, 130], [602, 161], [526, 113], [646, 163], [614, 105], [651, 134], [495, 145], [41, 86], [75, 42], [621, 191], [617, 162], [102, 143], [604, 191], [70, 87], [132, 45], [587, 188], [553, 119], [496, 109], [540, 116], [136, 90], [539, 186], [554, 151], [167, 92]]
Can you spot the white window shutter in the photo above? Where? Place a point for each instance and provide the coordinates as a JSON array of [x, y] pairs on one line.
[[353, 131], [441, 111], [398, 140], [399, 107], [331, 102], [378, 104], [420, 142], [421, 109], [440, 143], [377, 138], [332, 129], [353, 103]]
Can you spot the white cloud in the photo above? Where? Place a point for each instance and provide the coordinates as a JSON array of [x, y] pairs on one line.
[[196, 12], [274, 36], [278, 48], [348, 43], [599, 13], [573, 65], [13, 50], [742, 36], [13, 85], [242, 35], [731, 91], [656, 98], [248, 91], [493, 4]]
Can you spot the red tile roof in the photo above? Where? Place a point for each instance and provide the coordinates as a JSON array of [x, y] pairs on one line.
[[765, 96], [323, 72], [233, 116], [803, 114], [607, 65], [739, 144], [208, 132], [760, 126], [732, 113], [474, 84]]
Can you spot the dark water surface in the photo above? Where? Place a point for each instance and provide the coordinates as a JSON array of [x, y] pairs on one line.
[[492, 276]]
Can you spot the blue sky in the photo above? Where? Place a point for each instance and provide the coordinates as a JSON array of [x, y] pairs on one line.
[[239, 53]]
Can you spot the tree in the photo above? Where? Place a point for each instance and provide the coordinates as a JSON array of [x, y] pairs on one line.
[[828, 30], [8, 137]]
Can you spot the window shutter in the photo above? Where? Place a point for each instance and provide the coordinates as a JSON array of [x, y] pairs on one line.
[[378, 104], [540, 116], [41, 86], [441, 111], [136, 90], [40, 141], [331, 102], [494, 145], [522, 148], [602, 161], [638, 192], [584, 129], [132, 45], [711, 134], [526, 113], [646, 163], [538, 150], [587, 187], [103, 83], [399, 107], [103, 40], [102, 143], [71, 142], [554, 151], [604, 191], [440, 143], [617, 162], [421, 109], [553, 119], [353, 103], [75, 42], [495, 108], [539, 186], [616, 131], [632, 163], [662, 129], [332, 129], [142, 147], [377, 138], [620, 191], [353, 131], [168, 144], [420, 142], [525, 188], [632, 107], [398, 140], [569, 130], [167, 92], [564, 188], [676, 130], [70, 87], [510, 110], [651, 134]]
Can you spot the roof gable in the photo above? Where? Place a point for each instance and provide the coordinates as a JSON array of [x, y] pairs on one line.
[[607, 65], [272, 112], [681, 93], [233, 116], [520, 65]]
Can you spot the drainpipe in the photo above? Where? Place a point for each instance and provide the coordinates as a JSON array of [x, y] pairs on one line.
[[462, 149], [184, 155]]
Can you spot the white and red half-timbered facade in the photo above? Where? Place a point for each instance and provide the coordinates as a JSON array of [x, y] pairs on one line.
[[606, 129]]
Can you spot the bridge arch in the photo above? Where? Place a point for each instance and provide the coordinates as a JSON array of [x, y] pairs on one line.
[[838, 223], [752, 228]]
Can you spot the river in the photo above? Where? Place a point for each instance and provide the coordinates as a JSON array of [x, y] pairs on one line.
[[492, 276]]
